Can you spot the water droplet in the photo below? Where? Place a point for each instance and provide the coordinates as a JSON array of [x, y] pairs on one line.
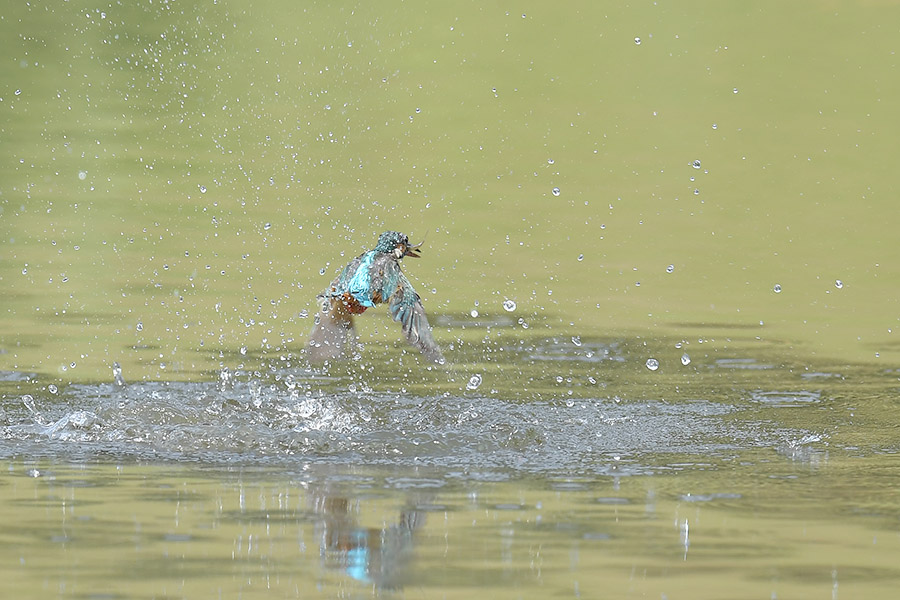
[[322, 271], [696, 164], [576, 340], [243, 350], [580, 257], [509, 305], [267, 226], [696, 192], [474, 382], [474, 313], [715, 126], [777, 288], [652, 364], [226, 380], [637, 41], [685, 359], [838, 283], [202, 189], [139, 326], [555, 191], [303, 314], [82, 175], [670, 269], [118, 380], [550, 161], [18, 92], [52, 389], [735, 90]]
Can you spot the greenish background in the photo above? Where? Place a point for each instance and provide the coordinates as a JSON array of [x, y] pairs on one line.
[[181, 178]]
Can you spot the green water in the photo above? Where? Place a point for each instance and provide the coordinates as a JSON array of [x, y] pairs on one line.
[[704, 180]]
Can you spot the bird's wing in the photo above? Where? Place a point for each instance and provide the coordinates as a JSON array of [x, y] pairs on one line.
[[406, 307]]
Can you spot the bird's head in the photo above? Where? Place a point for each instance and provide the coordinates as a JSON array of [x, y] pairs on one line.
[[394, 242]]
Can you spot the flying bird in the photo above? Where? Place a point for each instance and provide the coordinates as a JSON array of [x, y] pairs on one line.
[[372, 278]]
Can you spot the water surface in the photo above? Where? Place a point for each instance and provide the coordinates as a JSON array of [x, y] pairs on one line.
[[659, 260]]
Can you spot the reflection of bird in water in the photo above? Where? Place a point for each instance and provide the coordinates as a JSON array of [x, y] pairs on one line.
[[372, 278], [370, 555]]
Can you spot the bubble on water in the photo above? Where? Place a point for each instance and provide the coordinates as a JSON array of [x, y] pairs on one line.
[[576, 339], [555, 191], [82, 175], [474, 382], [637, 41], [509, 305], [777, 288], [696, 164], [685, 359], [838, 283], [580, 257], [652, 364], [474, 313], [670, 269], [139, 326], [52, 389]]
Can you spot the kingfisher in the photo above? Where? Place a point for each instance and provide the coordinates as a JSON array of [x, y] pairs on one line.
[[374, 277]]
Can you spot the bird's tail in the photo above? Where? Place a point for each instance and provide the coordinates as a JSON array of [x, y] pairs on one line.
[[333, 334]]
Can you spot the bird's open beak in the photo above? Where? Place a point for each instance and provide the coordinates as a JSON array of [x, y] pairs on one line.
[[414, 251]]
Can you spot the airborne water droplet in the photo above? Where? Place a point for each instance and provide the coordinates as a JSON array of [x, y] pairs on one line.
[[696, 164], [838, 283], [555, 191], [670, 269], [685, 359], [637, 41], [474, 313], [509, 305], [474, 382], [580, 257], [777, 288], [652, 364]]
